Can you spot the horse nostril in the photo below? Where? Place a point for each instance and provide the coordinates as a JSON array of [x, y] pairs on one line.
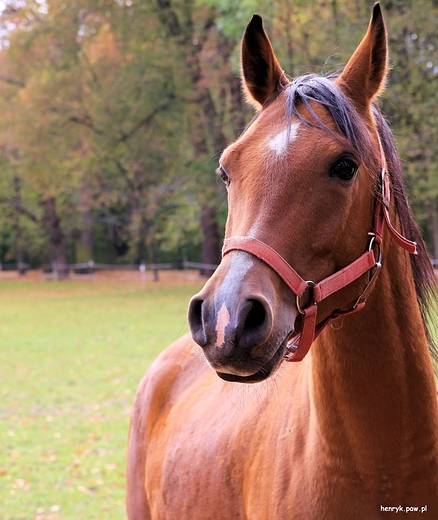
[[255, 322], [256, 316], [196, 322]]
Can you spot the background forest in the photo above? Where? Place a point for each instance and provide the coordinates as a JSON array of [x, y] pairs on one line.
[[113, 113]]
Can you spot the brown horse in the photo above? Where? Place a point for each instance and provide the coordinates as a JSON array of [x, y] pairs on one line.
[[318, 224]]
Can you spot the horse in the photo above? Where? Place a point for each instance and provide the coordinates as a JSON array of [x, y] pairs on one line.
[[318, 309]]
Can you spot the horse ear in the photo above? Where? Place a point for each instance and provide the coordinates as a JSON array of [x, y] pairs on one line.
[[364, 75], [262, 75]]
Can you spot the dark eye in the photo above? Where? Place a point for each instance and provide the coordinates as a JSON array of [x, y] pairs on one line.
[[223, 175], [344, 168]]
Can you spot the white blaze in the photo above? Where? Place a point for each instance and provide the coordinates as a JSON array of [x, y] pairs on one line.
[[280, 142], [223, 318]]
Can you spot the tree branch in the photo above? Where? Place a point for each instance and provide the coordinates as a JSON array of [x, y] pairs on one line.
[[13, 81], [20, 209], [87, 123], [169, 17], [145, 121], [91, 70], [124, 172]]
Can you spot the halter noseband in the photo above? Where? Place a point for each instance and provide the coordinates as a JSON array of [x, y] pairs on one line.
[[367, 262]]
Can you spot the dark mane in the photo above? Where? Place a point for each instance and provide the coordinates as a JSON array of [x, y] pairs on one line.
[[423, 272], [305, 89]]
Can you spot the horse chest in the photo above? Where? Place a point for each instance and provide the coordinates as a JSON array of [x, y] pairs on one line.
[[246, 472], [239, 454]]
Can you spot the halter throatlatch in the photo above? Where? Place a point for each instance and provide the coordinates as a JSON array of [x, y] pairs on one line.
[[370, 262]]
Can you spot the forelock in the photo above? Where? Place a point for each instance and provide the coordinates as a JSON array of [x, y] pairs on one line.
[[321, 89]]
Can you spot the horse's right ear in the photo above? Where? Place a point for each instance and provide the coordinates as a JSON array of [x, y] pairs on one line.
[[262, 75]]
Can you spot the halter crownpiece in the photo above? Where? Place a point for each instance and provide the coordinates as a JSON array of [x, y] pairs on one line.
[[367, 262]]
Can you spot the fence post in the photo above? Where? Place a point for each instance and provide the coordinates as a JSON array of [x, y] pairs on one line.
[[142, 269], [54, 266]]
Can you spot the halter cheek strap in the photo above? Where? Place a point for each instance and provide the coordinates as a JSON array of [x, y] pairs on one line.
[[367, 262], [382, 210], [403, 242]]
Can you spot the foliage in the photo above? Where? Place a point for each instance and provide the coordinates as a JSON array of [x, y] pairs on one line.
[[412, 102], [113, 113]]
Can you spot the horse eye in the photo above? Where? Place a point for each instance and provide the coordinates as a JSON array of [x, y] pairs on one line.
[[344, 168], [223, 175]]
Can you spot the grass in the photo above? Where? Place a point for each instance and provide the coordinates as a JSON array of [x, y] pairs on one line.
[[72, 354]]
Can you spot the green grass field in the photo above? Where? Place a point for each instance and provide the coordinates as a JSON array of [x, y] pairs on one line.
[[72, 354]]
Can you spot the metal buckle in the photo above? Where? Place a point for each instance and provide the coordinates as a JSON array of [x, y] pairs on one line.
[[297, 298]]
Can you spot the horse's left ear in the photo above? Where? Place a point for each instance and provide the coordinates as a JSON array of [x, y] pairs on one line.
[[364, 75], [262, 75]]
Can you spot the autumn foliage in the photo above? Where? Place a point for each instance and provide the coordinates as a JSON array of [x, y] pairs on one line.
[[113, 114]]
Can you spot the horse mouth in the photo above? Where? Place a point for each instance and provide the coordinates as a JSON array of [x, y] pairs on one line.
[[263, 373]]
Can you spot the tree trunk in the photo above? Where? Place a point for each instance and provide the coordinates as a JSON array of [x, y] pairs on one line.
[[208, 137], [86, 240], [145, 245], [84, 245], [16, 226], [432, 220], [210, 240], [51, 223]]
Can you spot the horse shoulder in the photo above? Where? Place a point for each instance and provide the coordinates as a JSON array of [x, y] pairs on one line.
[[158, 388]]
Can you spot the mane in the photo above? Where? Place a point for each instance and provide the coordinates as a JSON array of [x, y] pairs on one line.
[[309, 88], [424, 276]]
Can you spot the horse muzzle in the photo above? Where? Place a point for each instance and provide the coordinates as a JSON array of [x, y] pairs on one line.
[[238, 321]]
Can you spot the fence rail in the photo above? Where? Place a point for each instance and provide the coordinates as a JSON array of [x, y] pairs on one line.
[[197, 265], [118, 267], [14, 267], [53, 270]]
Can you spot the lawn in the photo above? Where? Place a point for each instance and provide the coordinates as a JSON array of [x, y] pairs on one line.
[[72, 354]]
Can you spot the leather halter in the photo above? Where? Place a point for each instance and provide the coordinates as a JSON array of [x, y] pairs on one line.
[[367, 262]]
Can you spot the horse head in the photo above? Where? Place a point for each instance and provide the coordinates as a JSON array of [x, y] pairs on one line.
[[301, 179]]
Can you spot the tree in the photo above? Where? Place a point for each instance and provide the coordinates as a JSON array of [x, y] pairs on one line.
[[114, 112], [411, 102], [81, 117]]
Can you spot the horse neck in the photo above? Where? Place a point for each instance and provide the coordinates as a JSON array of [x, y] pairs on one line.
[[373, 384]]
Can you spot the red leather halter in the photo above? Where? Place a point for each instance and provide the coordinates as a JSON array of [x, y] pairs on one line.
[[367, 262]]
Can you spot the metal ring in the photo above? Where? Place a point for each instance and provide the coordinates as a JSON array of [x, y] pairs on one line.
[[297, 298], [379, 250], [372, 272]]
